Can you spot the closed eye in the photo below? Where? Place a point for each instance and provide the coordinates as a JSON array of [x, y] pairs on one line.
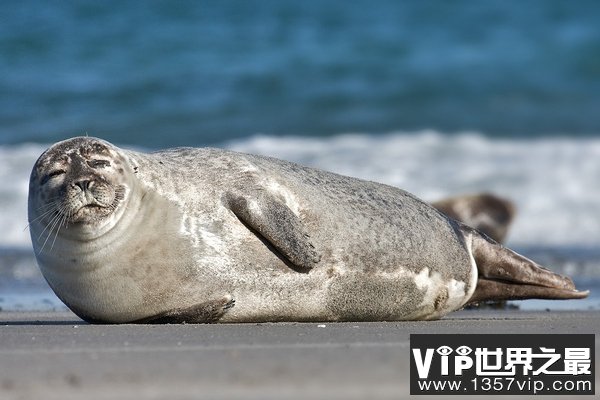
[[51, 175], [98, 163]]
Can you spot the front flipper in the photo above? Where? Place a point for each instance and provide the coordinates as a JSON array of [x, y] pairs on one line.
[[203, 313], [277, 224], [506, 275]]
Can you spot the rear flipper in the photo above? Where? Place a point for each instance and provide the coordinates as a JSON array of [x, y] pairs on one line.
[[506, 275]]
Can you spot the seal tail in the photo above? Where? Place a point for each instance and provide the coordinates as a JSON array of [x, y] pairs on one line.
[[506, 275]]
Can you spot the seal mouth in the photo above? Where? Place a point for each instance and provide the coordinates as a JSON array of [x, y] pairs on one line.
[[89, 213], [90, 207], [94, 209]]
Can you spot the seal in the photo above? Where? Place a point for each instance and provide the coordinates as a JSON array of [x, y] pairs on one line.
[[486, 212], [206, 235]]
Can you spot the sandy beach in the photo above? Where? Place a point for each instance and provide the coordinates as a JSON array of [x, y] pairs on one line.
[[55, 355]]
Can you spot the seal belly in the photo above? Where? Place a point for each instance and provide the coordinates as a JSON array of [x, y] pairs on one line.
[[402, 295], [328, 295]]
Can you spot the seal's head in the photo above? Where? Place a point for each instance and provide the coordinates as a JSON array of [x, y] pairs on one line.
[[81, 182]]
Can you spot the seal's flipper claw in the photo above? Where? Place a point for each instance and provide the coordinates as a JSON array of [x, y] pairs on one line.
[[229, 305], [506, 275], [274, 222]]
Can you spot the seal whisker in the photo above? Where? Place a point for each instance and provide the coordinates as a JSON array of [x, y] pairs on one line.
[[45, 213], [54, 222], [52, 225], [55, 214], [63, 220], [50, 203]]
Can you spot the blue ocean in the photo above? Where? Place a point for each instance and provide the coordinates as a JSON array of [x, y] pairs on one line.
[[439, 98]]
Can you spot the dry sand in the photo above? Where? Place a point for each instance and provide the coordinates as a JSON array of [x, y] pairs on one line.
[[57, 356]]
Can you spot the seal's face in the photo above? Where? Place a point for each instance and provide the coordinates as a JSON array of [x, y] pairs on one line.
[[81, 181]]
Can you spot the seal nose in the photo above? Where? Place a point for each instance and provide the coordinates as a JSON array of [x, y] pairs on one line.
[[83, 184]]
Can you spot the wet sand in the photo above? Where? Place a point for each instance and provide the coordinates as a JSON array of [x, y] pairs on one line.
[[57, 356]]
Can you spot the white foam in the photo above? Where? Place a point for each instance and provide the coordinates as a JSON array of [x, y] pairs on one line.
[[15, 166], [554, 181]]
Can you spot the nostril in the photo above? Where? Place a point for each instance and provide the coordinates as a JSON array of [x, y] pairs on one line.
[[84, 184]]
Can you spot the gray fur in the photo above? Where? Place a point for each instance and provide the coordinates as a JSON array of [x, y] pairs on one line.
[[286, 242]]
